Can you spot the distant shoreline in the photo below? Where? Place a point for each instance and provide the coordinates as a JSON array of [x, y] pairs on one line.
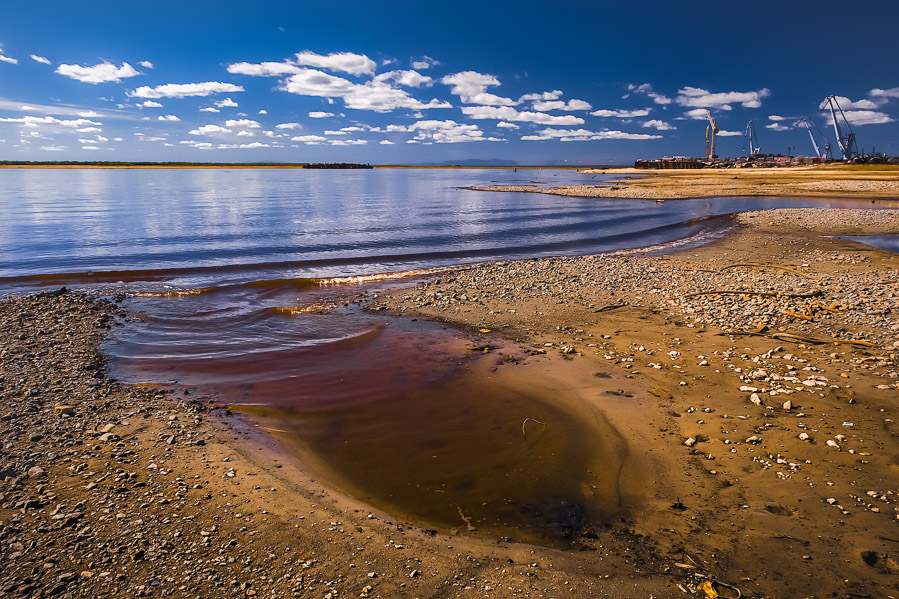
[[216, 165]]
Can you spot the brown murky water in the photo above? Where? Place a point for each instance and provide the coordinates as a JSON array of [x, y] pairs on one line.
[[400, 414]]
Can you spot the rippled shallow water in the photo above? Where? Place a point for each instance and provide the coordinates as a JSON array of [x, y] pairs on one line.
[[228, 268]]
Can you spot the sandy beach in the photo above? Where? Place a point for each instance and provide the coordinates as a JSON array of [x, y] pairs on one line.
[[874, 181], [748, 387]]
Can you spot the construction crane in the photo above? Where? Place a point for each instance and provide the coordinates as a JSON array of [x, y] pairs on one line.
[[710, 131], [822, 148], [750, 137], [846, 140]]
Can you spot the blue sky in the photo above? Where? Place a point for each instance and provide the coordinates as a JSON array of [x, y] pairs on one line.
[[413, 82]]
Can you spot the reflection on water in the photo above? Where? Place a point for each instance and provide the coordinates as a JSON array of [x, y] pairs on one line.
[[209, 227], [889, 243], [398, 413]]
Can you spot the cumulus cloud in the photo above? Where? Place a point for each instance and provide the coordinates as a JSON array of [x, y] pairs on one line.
[[53, 148], [725, 133], [209, 109], [867, 117], [884, 93], [378, 96], [447, 131], [545, 96], [424, 63], [471, 87], [36, 121], [645, 89], [150, 104], [289, 126], [847, 104], [348, 142], [776, 118], [209, 130], [263, 111], [146, 64], [777, 127], [347, 62], [660, 125], [183, 90], [386, 142], [264, 69], [621, 114], [320, 115], [507, 113], [226, 103], [546, 105], [167, 117], [309, 139], [585, 135], [698, 114], [105, 72], [245, 123], [505, 125], [40, 59], [695, 96], [406, 78]]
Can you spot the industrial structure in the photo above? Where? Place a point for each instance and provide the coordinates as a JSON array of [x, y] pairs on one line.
[[711, 131], [822, 148], [845, 141], [750, 138]]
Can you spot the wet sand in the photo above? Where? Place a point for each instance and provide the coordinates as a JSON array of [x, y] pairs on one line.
[[681, 366], [873, 181]]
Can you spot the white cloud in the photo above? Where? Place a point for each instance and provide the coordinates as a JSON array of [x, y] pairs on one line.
[[150, 104], [725, 133], [264, 69], [243, 123], [88, 114], [146, 64], [335, 132], [209, 109], [245, 133], [867, 117], [348, 142], [90, 147], [621, 114], [406, 78], [505, 125], [168, 117], [226, 103], [884, 93], [263, 111], [209, 130], [507, 113], [698, 114], [386, 142], [546, 105], [471, 88], [200, 145], [373, 95], [105, 72], [183, 90], [289, 126], [695, 96], [320, 115], [847, 104], [777, 127], [40, 59], [308, 139], [347, 62], [53, 148], [776, 118], [425, 63], [545, 96], [445, 132], [660, 125], [645, 89], [585, 135], [36, 121], [394, 128], [4, 58], [89, 130]]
